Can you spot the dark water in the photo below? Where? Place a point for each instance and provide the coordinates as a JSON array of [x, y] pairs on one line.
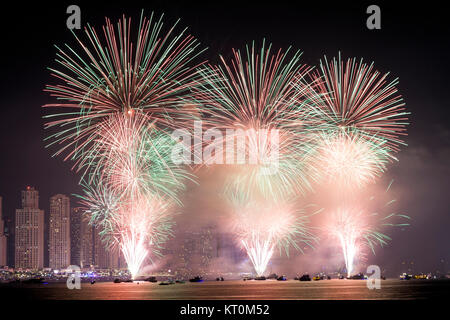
[[237, 290]]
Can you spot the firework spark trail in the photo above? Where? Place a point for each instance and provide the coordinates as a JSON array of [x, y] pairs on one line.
[[261, 93], [357, 229], [132, 157], [142, 227], [257, 95], [269, 161], [348, 229], [136, 225], [349, 248], [113, 75], [358, 122], [133, 180], [117, 99], [132, 169], [262, 225], [259, 251], [349, 161], [132, 243], [359, 126], [134, 252], [358, 99]]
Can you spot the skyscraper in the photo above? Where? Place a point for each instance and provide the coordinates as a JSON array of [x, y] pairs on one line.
[[86, 243], [3, 245], [100, 254], [59, 232], [105, 258], [29, 235], [76, 215], [92, 251]]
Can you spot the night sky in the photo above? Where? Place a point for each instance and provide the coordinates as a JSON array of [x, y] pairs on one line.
[[413, 45]]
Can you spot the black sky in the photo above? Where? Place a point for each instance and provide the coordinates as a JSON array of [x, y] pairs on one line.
[[413, 45]]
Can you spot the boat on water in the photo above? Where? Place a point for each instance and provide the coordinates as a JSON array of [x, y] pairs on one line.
[[358, 276], [305, 277], [151, 279], [34, 280], [196, 279], [260, 278], [281, 278], [405, 276]]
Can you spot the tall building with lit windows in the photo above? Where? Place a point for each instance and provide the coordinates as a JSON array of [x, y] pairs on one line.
[[76, 214], [29, 232], [86, 243], [105, 258], [59, 232], [3, 243]]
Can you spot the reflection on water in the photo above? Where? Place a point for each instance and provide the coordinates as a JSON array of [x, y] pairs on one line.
[[231, 290]]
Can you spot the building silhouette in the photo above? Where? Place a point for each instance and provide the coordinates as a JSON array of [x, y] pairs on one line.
[[86, 243], [76, 215], [87, 248], [3, 242], [104, 257], [29, 232], [59, 232], [202, 251], [100, 253]]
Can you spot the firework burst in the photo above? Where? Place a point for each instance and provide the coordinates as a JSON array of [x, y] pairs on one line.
[[357, 229], [118, 95], [350, 160], [358, 99], [114, 74], [131, 156], [262, 97], [134, 224], [261, 226], [132, 183]]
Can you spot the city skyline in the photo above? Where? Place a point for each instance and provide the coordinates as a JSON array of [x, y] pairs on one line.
[[92, 252], [73, 241], [64, 247]]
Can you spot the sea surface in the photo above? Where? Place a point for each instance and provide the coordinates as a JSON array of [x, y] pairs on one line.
[[235, 290]]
